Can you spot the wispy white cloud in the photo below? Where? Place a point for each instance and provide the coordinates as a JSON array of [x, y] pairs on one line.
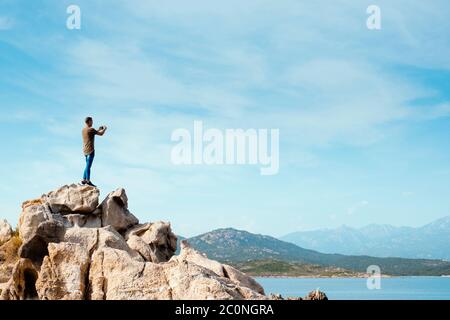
[[349, 100], [310, 68]]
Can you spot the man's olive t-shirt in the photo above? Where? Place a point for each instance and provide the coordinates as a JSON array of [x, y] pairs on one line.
[[88, 140]]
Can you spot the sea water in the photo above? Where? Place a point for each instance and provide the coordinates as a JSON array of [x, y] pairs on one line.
[[396, 288]]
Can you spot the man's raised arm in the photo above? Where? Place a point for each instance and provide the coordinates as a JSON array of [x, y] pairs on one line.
[[101, 131]]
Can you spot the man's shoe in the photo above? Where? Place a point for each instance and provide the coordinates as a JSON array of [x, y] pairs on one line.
[[91, 184], [83, 182]]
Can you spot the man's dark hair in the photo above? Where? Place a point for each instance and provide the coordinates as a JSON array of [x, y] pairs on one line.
[[88, 119]]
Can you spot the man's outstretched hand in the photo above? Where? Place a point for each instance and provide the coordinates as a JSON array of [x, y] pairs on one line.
[[101, 130]]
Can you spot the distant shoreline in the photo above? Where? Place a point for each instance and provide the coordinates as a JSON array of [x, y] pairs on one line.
[[311, 277], [285, 269], [340, 277]]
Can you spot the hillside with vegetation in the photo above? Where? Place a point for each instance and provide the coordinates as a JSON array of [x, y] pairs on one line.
[[237, 246], [277, 268]]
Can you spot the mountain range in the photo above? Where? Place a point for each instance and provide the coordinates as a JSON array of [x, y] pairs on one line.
[[431, 241], [237, 246]]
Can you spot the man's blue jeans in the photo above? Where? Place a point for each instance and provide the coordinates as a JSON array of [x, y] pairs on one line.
[[87, 171]]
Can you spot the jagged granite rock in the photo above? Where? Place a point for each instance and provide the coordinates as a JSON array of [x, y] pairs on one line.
[[313, 295], [190, 254], [74, 248], [72, 199], [33, 213], [137, 244], [37, 228], [6, 231], [63, 272], [36, 247], [154, 241], [95, 239], [21, 285], [316, 295], [45, 220], [115, 211], [176, 279]]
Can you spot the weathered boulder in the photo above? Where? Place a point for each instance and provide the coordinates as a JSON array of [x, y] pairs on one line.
[[242, 279], [115, 211], [72, 199], [6, 232], [316, 295], [190, 254], [115, 276], [137, 244], [35, 246], [33, 213], [154, 241], [63, 275], [97, 238], [190, 281], [313, 295], [21, 286]]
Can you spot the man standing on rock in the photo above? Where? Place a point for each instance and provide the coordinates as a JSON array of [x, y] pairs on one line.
[[89, 134]]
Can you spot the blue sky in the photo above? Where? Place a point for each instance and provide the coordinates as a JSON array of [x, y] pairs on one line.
[[363, 115]]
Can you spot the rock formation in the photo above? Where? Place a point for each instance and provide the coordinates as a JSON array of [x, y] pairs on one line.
[[316, 295], [6, 231], [71, 246]]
